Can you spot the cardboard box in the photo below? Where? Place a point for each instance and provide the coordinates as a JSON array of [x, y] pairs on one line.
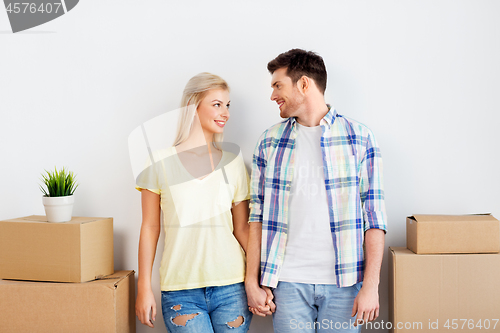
[[439, 293], [100, 306], [426, 234], [75, 251]]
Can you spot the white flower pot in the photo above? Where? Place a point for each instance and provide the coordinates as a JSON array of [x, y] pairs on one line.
[[58, 209]]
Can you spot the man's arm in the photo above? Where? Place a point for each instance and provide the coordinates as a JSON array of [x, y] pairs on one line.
[[257, 296], [366, 304]]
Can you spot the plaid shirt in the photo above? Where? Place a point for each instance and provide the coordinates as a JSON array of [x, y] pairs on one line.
[[353, 181]]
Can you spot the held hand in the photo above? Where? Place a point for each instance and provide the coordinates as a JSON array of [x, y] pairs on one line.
[[269, 300], [366, 305], [145, 306], [257, 299]]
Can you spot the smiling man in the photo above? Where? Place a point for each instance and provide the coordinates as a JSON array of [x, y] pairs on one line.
[[317, 212]]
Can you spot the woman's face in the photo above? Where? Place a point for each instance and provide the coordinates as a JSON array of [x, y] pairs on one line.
[[213, 111]]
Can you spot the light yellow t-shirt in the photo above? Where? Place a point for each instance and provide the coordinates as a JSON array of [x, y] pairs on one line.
[[200, 248]]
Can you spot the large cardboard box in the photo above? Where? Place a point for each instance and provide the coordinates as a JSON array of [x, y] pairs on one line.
[[75, 251], [426, 234], [443, 293], [100, 306]]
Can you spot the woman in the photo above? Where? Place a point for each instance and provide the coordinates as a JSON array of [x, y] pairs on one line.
[[203, 193]]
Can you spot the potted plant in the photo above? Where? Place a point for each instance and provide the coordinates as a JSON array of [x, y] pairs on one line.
[[58, 198]]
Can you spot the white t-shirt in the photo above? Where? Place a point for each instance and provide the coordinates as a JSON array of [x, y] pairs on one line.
[[309, 253]]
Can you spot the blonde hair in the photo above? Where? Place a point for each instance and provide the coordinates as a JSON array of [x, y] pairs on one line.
[[193, 94]]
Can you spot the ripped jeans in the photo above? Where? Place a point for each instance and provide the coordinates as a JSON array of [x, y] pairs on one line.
[[211, 309]]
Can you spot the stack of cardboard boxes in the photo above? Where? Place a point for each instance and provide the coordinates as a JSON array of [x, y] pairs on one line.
[[448, 279], [59, 277]]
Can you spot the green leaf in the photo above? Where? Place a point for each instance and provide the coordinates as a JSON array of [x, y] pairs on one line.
[[59, 182], [43, 190]]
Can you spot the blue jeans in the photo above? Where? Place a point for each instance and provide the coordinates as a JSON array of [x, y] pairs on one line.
[[210, 309], [302, 307]]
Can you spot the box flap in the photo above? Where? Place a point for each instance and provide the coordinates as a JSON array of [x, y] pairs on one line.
[[114, 278], [43, 219], [400, 251], [423, 218]]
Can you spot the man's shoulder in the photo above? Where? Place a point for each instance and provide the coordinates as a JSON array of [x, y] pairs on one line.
[[275, 131], [357, 127]]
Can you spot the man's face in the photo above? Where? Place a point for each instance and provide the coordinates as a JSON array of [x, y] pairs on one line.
[[286, 94]]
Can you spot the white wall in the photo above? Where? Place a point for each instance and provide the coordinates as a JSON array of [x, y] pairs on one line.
[[423, 75]]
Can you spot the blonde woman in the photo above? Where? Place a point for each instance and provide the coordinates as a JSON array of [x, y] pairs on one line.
[[202, 190]]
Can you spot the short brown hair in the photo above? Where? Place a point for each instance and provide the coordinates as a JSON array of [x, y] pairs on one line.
[[300, 63]]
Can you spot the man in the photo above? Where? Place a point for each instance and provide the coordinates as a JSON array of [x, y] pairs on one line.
[[317, 219]]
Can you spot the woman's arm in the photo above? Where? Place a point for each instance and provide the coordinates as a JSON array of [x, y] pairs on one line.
[[240, 223], [150, 232]]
